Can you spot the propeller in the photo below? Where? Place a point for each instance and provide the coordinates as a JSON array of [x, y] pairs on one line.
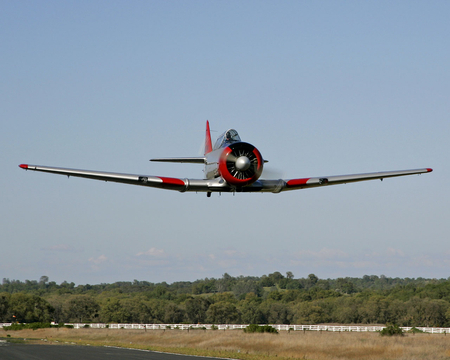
[[241, 164]]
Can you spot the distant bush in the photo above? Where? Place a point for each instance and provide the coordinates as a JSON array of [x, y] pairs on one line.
[[197, 328], [392, 330], [33, 326], [254, 328], [415, 330]]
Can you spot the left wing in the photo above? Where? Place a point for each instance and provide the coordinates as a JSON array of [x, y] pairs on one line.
[[304, 183]]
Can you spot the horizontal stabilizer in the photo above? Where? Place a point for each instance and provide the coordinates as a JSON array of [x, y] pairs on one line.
[[192, 160]]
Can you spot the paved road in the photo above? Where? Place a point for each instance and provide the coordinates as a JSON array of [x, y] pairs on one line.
[[75, 352]]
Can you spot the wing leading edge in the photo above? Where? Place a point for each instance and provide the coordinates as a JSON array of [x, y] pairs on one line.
[[218, 184], [161, 182], [143, 180]]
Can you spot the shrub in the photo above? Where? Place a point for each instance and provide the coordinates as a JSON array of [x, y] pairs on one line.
[[33, 326], [415, 330], [392, 330], [254, 328]]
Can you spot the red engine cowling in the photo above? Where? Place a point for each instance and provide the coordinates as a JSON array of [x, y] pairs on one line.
[[240, 164]]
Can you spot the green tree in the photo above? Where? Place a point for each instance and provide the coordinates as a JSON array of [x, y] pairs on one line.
[[225, 284], [345, 286], [139, 309], [222, 312], [428, 312], [346, 310], [173, 314], [250, 310], [245, 286], [196, 309], [313, 279], [375, 310], [4, 307], [43, 280], [113, 311], [29, 308], [82, 308], [157, 310], [266, 281]]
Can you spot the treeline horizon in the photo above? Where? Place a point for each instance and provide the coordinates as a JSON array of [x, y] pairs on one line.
[[269, 299]]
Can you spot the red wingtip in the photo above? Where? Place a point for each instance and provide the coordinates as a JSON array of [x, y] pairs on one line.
[[429, 169], [23, 166]]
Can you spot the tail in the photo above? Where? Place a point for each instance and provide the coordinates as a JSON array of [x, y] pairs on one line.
[[208, 144]]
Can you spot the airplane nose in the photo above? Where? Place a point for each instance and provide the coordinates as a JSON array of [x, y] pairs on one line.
[[243, 163]]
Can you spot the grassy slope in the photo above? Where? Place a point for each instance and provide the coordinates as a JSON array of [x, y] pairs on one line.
[[235, 344]]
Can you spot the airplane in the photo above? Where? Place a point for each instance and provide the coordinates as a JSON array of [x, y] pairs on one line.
[[231, 165]]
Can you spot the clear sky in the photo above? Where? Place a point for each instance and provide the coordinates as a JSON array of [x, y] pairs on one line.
[[320, 87]]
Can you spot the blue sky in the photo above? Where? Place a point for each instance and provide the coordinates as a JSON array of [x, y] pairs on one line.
[[321, 88]]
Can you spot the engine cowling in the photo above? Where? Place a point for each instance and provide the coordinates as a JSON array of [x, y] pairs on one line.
[[240, 164]]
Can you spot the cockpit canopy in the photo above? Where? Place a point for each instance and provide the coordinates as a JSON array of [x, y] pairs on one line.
[[228, 137]]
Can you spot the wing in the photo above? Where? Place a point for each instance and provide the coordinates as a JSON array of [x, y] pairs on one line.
[[142, 180], [295, 184], [217, 184]]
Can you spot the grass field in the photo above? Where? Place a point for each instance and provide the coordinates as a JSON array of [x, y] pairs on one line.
[[238, 345]]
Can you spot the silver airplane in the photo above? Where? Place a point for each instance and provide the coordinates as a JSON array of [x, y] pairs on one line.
[[231, 165]]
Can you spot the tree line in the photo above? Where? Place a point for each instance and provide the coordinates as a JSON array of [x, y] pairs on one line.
[[269, 299]]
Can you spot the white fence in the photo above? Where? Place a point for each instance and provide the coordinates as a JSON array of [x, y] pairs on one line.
[[332, 328]]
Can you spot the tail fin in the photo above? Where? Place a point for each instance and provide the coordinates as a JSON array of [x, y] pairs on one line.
[[208, 144]]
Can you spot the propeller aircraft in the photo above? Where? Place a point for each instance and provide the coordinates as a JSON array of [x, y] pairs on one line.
[[231, 165]]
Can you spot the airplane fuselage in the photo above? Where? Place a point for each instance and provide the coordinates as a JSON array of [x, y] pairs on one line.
[[238, 163]]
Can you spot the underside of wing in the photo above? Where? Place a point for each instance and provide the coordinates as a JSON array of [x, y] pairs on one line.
[[276, 186], [294, 184], [218, 184], [142, 180]]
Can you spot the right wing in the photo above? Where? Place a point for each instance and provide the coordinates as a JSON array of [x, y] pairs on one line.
[[142, 180]]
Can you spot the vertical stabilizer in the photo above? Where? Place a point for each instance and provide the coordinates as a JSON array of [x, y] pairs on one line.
[[208, 144]]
